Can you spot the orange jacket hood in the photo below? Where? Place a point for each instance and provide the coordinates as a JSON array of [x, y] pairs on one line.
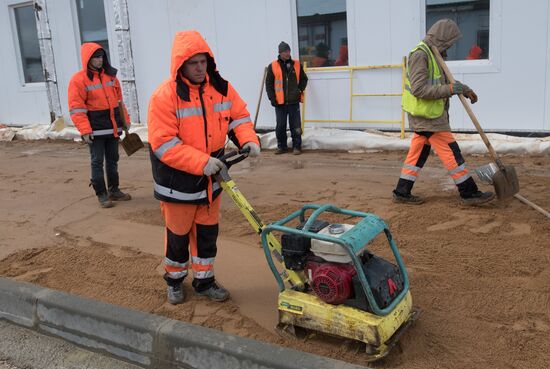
[[186, 45], [87, 50]]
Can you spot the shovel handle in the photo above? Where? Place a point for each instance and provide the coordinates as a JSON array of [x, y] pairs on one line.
[[468, 109], [260, 98], [532, 204], [122, 109]]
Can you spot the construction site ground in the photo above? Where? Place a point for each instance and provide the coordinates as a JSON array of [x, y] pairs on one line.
[[481, 275]]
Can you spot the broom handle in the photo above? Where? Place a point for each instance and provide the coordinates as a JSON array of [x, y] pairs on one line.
[[260, 98], [468, 109]]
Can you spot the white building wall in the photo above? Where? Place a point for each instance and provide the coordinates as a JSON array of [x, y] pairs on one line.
[[547, 71], [379, 33], [244, 35], [382, 32], [512, 96], [20, 104], [66, 46]]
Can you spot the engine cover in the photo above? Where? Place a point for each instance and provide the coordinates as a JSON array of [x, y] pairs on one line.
[[331, 282]]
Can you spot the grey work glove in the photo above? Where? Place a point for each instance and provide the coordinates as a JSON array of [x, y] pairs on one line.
[[254, 149], [88, 138], [458, 88], [212, 166]]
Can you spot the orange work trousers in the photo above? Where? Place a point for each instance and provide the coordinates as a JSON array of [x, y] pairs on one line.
[[191, 231], [448, 151]]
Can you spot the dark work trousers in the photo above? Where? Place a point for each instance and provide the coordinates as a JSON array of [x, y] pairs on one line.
[[294, 122], [104, 148]]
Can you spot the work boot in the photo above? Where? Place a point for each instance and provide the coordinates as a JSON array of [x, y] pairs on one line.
[[118, 195], [104, 201], [477, 198], [407, 199], [175, 294], [296, 151], [215, 293], [280, 151]]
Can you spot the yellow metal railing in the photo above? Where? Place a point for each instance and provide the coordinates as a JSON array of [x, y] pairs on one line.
[[351, 70]]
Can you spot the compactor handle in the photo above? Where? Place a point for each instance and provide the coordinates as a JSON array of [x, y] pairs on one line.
[[242, 154]]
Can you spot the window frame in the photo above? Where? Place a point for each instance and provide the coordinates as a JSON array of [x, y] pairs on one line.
[[78, 36], [296, 37], [493, 63], [24, 86]]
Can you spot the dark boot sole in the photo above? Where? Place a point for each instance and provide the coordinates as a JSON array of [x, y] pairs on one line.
[[176, 302], [399, 201], [121, 199], [213, 298], [475, 202]]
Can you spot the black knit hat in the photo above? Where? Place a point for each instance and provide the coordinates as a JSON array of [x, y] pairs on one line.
[[98, 53], [283, 46]]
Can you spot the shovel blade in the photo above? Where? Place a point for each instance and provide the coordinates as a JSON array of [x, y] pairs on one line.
[[506, 182], [486, 172], [58, 125], [131, 143]]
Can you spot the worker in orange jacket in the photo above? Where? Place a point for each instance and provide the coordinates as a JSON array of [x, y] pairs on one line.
[[285, 82], [94, 93], [190, 116]]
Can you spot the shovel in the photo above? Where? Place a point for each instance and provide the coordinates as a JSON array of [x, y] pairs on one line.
[[503, 177], [131, 142]]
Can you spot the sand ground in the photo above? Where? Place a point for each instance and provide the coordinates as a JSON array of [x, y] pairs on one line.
[[481, 275]]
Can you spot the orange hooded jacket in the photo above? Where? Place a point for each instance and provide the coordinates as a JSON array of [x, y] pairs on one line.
[[94, 97], [188, 123]]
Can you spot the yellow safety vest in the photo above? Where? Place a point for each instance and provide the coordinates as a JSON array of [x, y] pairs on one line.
[[422, 107]]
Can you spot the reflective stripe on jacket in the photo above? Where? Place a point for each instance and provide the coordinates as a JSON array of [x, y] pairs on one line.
[[419, 107], [279, 85], [94, 97], [188, 123]]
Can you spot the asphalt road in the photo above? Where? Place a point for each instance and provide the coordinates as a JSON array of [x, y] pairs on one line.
[[21, 348]]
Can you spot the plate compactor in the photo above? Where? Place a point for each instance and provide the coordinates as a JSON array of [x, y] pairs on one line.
[[328, 279]]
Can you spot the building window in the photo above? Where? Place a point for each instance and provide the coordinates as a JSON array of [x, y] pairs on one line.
[[29, 48], [472, 18], [322, 32], [91, 21]]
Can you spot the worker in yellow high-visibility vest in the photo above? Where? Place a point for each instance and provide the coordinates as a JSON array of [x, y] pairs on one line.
[[426, 100]]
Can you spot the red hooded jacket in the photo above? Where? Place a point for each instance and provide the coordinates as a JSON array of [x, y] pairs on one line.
[[94, 97], [475, 53]]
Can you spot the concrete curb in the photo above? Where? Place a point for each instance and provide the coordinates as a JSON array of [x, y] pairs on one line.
[[147, 340]]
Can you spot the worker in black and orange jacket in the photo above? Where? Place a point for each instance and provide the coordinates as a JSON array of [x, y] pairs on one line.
[[94, 93], [285, 83], [190, 116]]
